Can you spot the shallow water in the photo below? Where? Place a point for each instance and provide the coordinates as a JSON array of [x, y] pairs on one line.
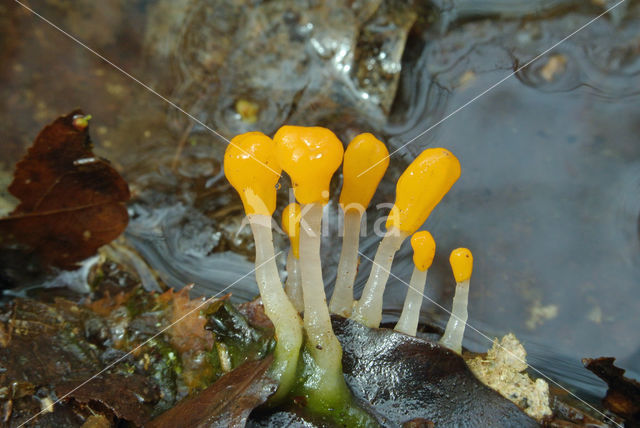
[[548, 199]]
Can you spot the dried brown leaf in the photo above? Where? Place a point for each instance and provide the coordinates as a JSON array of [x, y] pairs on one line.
[[71, 202]]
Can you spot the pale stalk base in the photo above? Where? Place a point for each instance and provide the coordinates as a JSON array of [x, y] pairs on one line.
[[368, 310], [410, 316], [321, 343], [454, 333], [285, 318], [342, 298]]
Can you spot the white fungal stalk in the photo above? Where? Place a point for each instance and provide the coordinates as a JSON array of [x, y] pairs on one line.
[[454, 333], [368, 310], [365, 162], [291, 225], [293, 286], [322, 343], [277, 306], [342, 298], [410, 316], [424, 249], [251, 168], [461, 261]]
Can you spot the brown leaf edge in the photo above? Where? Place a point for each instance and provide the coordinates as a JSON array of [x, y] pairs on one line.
[[226, 403], [623, 395]]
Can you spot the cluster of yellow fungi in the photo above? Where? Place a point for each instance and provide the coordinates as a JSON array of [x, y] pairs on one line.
[[310, 156]]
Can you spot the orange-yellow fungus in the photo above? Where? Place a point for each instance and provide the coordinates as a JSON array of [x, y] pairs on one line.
[[81, 122], [251, 167], [291, 225], [461, 261], [421, 187], [462, 264], [367, 154], [424, 249], [310, 155]]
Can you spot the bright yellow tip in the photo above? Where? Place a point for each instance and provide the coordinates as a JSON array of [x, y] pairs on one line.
[[81, 122], [424, 249], [421, 186], [252, 169], [461, 261], [291, 225], [364, 153], [310, 155]]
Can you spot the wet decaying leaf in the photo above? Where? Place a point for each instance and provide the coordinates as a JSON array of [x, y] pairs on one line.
[[402, 378], [71, 202], [129, 397], [226, 403], [623, 395], [49, 349]]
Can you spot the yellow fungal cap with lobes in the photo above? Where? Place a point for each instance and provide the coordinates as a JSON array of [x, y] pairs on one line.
[[291, 225], [461, 261], [424, 249], [365, 162], [251, 167], [421, 186], [310, 155]]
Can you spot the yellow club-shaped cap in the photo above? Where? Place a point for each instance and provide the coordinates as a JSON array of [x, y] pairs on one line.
[[310, 155], [365, 162], [424, 249], [291, 225], [461, 261], [251, 167], [421, 186]]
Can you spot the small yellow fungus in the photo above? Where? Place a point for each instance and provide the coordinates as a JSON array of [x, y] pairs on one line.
[[461, 261], [368, 154], [250, 165], [424, 249], [462, 264], [421, 187], [310, 155], [248, 110], [81, 122], [291, 225], [365, 162]]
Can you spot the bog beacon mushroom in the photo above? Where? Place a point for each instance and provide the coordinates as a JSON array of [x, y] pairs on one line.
[[424, 249], [420, 188], [365, 162], [251, 167], [461, 261], [311, 155]]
